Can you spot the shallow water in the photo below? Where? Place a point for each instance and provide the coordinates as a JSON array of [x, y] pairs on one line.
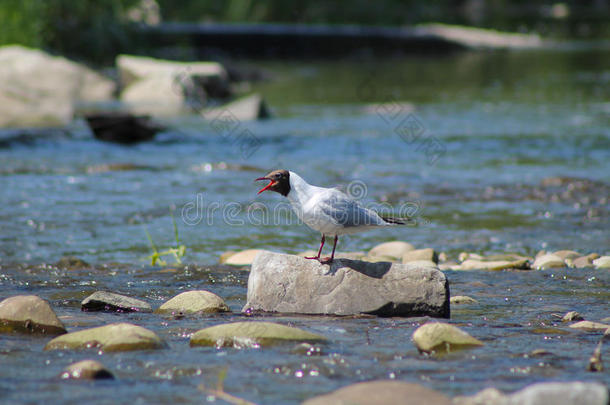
[[514, 316], [504, 152]]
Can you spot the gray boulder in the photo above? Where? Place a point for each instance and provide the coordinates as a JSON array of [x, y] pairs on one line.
[[292, 284], [111, 302]]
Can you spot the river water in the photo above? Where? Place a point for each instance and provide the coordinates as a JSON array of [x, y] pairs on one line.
[[489, 152]]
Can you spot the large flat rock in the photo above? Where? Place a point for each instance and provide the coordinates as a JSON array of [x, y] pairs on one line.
[[292, 284]]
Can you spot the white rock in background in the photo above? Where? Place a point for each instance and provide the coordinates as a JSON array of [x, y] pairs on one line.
[[162, 87], [37, 89], [394, 249], [602, 262], [548, 261]]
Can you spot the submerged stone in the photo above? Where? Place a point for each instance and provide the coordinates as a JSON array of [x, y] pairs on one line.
[[111, 302], [463, 299], [29, 314], [590, 326], [86, 370], [72, 263], [572, 316], [192, 302], [381, 392], [442, 337], [111, 338], [291, 284], [251, 334]]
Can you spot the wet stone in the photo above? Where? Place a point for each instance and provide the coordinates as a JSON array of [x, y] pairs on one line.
[[442, 337], [572, 316], [590, 326], [86, 370], [111, 302], [115, 337], [29, 314], [251, 334], [381, 392], [193, 302], [462, 299]]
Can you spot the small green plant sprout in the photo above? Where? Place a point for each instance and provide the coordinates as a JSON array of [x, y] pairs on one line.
[[178, 252]]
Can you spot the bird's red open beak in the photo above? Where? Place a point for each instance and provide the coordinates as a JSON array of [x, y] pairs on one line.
[[271, 182]]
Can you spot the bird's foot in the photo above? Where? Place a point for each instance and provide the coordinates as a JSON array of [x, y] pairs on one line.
[[313, 258], [326, 260]]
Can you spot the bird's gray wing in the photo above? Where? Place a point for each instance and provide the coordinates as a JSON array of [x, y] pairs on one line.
[[347, 212]]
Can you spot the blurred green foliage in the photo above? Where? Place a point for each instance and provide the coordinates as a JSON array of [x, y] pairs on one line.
[[567, 18], [95, 30]]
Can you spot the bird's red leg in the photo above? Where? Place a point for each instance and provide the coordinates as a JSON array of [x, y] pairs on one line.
[[319, 250], [330, 259]]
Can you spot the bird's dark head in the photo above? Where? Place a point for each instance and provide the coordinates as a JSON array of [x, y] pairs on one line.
[[279, 181]]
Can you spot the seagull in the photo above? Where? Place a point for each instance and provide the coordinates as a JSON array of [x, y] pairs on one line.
[[326, 210]]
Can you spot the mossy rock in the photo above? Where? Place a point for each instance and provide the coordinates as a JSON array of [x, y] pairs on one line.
[[116, 337], [29, 314], [248, 333], [193, 302], [442, 337]]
